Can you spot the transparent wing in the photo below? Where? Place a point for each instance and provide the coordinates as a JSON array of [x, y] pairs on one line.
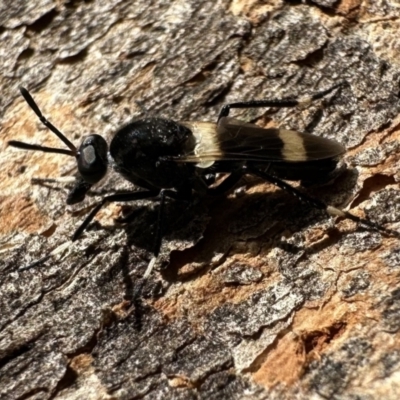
[[235, 140]]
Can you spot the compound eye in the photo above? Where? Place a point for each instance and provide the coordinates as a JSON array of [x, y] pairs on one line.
[[92, 158]]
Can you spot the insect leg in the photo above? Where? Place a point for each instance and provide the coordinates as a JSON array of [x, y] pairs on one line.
[[130, 196], [285, 186], [177, 195], [160, 224], [332, 211], [226, 184], [285, 102], [64, 180], [229, 182], [120, 197]]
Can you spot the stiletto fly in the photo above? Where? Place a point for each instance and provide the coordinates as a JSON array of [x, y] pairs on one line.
[[169, 159]]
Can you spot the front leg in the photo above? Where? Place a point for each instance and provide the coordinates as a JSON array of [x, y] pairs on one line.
[[184, 194], [120, 197], [129, 196]]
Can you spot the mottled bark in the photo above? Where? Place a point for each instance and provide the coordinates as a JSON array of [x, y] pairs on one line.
[[264, 297]]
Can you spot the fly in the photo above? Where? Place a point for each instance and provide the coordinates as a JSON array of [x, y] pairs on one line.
[[169, 159]]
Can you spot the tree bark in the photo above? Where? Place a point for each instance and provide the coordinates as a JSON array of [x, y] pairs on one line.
[[264, 297]]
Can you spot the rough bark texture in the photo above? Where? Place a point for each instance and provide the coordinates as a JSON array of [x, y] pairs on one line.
[[264, 297]]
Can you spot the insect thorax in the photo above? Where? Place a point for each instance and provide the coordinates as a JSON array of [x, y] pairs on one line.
[[144, 150]]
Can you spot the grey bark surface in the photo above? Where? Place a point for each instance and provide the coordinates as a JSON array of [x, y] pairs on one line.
[[264, 297]]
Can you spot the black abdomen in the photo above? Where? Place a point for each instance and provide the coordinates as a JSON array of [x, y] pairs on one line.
[[310, 171]]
